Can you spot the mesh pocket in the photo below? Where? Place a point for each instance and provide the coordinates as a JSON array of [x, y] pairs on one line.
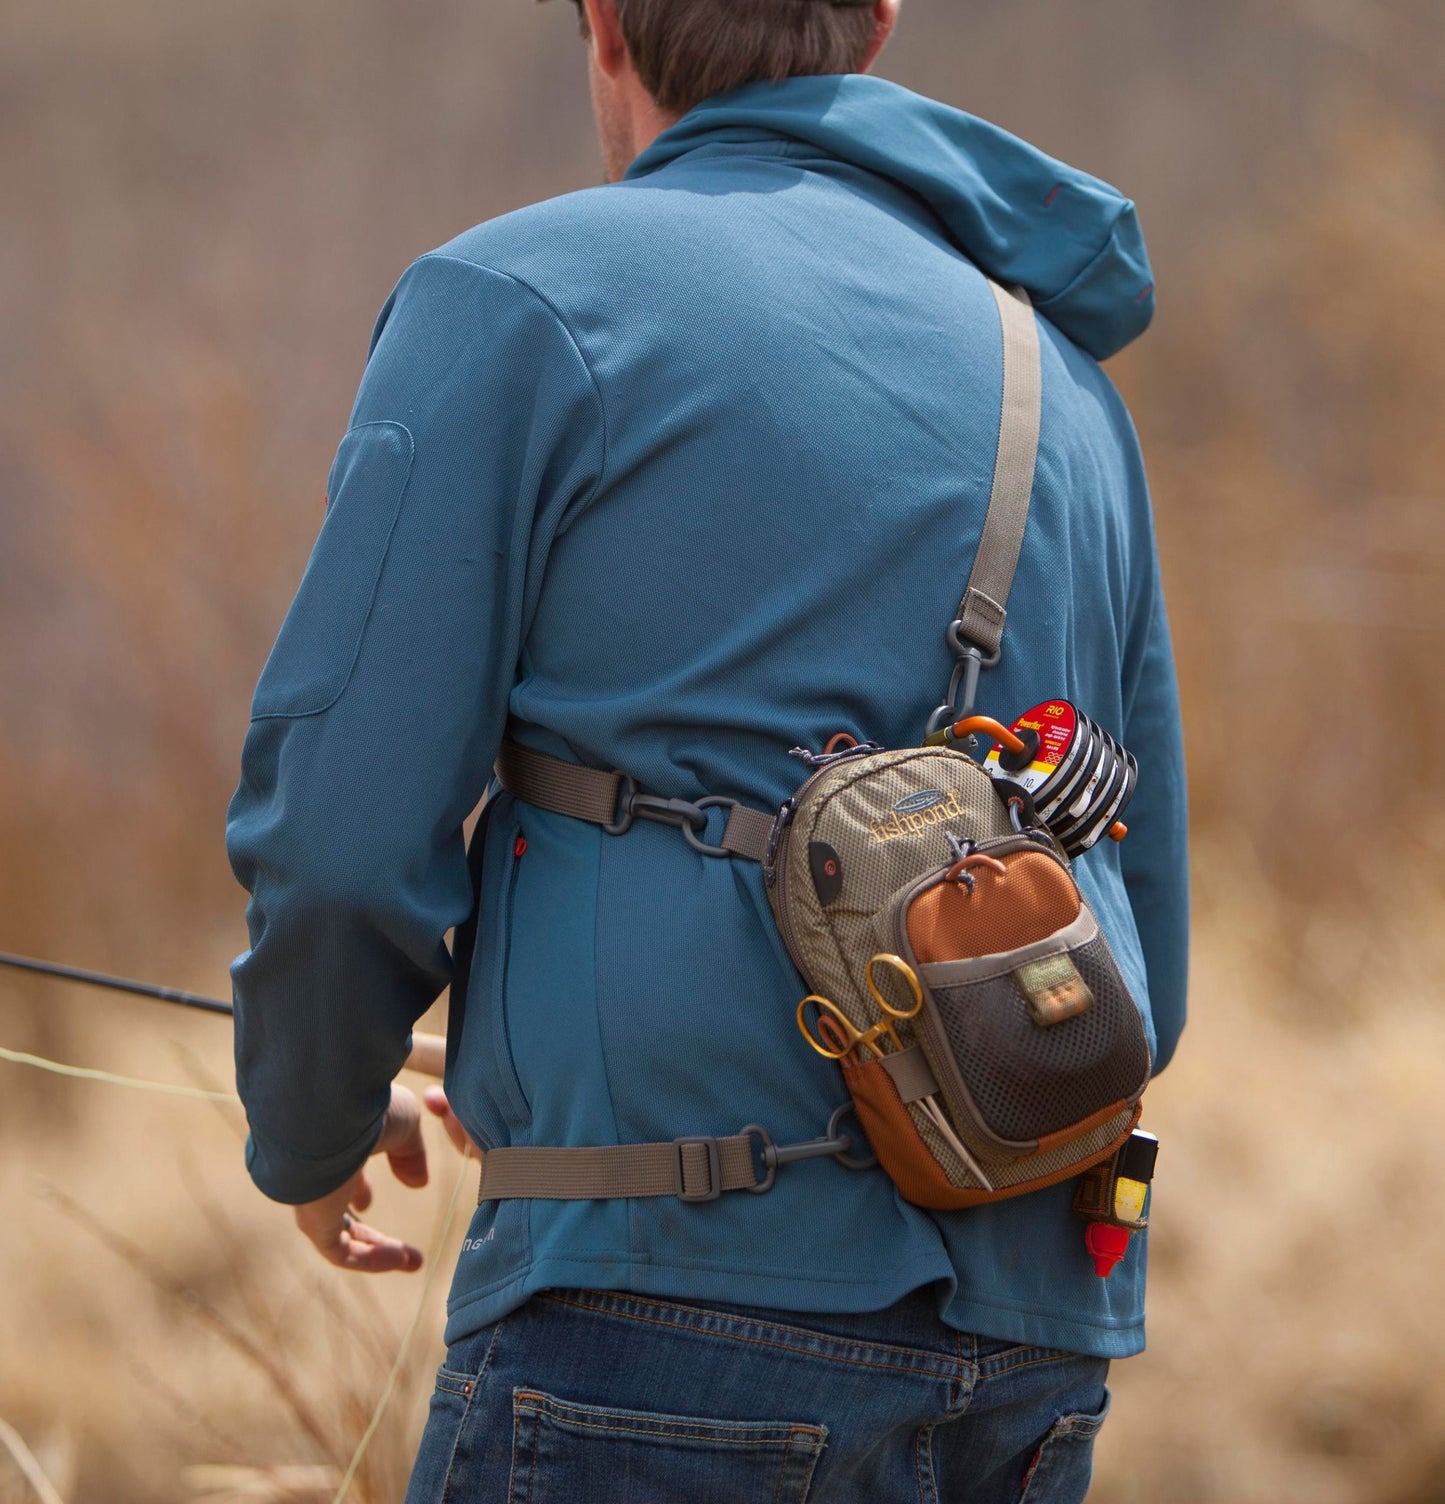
[[1027, 1080]]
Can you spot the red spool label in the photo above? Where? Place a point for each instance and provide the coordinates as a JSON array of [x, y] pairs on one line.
[[1057, 723]]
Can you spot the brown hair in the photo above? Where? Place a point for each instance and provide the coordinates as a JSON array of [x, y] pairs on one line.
[[686, 50]]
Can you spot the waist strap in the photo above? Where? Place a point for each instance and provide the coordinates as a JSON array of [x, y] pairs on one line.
[[612, 801], [692, 1169]]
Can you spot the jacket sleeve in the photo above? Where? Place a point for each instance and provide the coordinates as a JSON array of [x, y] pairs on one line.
[[477, 431], [1155, 858]]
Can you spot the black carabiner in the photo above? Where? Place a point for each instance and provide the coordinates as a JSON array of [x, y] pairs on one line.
[[969, 663]]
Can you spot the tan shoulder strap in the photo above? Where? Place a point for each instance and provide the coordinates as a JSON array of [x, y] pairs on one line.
[[982, 611]]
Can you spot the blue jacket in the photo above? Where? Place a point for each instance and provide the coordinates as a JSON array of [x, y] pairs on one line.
[[680, 473]]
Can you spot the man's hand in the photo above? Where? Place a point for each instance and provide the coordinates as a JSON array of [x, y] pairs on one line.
[[333, 1223], [437, 1104]]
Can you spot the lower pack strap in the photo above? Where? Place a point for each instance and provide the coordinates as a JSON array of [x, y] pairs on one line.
[[692, 1169]]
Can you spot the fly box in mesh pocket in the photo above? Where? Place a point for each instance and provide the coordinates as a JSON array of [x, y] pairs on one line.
[[1035, 1043]]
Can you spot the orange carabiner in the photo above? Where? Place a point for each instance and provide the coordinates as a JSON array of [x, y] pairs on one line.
[[986, 725]]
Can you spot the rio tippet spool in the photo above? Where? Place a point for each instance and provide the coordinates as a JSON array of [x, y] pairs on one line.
[[1079, 778]]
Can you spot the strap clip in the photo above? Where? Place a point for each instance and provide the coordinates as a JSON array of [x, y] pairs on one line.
[[686, 815], [775, 840], [833, 1144], [969, 661]]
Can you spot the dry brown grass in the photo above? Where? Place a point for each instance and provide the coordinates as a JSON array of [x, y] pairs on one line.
[[170, 1335], [178, 1323], [1295, 1288]]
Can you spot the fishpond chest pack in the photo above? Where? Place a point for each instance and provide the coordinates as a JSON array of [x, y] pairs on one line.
[[987, 1038]]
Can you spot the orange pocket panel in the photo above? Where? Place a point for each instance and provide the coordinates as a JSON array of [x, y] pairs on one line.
[[913, 1169], [951, 923], [917, 1174]]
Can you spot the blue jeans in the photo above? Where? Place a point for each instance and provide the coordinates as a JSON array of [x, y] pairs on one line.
[[592, 1397]]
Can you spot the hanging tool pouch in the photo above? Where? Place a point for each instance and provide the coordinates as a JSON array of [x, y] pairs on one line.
[[1028, 1044]]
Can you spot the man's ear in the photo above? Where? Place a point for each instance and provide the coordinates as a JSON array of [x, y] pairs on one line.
[[885, 15], [608, 46]]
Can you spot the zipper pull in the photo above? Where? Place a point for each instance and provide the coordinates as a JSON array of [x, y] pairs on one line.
[[775, 837], [817, 760]]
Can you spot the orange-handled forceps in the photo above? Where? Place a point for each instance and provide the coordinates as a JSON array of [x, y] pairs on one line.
[[837, 1037]]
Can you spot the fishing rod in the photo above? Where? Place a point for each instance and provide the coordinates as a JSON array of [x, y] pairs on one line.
[[116, 984], [428, 1051]]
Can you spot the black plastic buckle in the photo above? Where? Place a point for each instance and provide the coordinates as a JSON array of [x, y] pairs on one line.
[[766, 1157], [689, 832], [627, 791], [682, 814], [969, 661], [833, 1145], [714, 1170]]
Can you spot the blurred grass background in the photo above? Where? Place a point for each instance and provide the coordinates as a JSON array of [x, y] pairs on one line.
[[205, 204]]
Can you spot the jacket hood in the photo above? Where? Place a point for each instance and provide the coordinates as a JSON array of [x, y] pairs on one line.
[[1071, 241]]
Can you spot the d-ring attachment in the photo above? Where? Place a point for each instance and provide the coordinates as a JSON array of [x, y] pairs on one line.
[[849, 1161]]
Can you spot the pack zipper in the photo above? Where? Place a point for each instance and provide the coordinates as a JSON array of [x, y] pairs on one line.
[[775, 869]]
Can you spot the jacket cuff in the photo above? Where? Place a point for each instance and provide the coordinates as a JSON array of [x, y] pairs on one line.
[[294, 1179]]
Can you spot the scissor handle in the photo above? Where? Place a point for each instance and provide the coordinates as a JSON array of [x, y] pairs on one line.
[[831, 1033], [839, 1036], [845, 1037], [908, 974]]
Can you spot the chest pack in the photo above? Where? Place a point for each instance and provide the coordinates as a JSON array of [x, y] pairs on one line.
[[986, 1036]]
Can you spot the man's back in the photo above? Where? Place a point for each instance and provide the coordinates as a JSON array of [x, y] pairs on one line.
[[693, 468]]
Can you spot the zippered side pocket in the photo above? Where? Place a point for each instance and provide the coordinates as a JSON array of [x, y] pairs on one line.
[[519, 1108]]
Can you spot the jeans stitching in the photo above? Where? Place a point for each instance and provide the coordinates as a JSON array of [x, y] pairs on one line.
[[567, 1415], [930, 1362], [923, 1464], [1058, 1357], [1073, 1427], [512, 1474], [783, 1469], [476, 1384], [534, 1421], [536, 1452]]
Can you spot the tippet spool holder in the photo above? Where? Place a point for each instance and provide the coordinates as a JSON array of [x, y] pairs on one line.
[[1074, 778]]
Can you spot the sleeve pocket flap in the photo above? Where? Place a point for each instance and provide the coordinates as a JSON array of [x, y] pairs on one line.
[[320, 640]]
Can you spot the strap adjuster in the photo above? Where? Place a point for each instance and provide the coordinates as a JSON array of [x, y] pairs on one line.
[[714, 1169]]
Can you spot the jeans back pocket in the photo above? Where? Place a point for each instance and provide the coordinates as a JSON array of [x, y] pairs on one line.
[[562, 1452], [1063, 1467]]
